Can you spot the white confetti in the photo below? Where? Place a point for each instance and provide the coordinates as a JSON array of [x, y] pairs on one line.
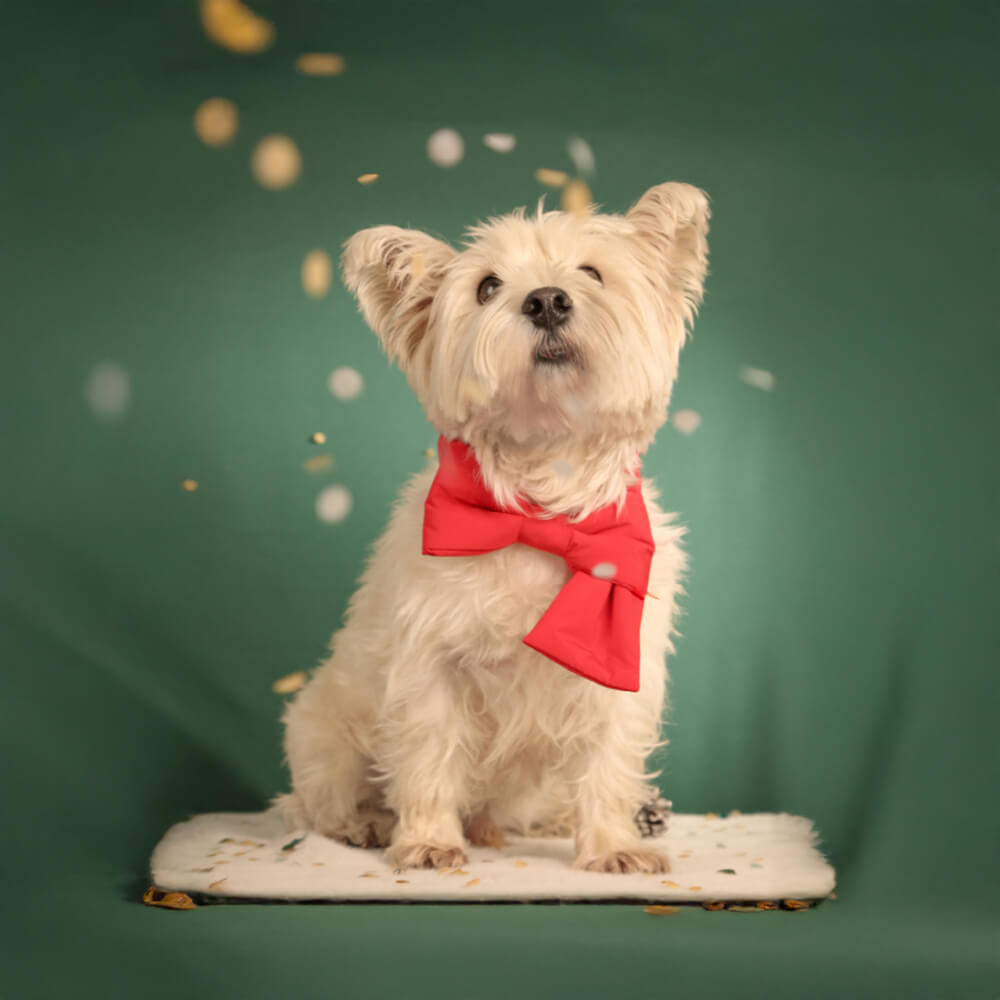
[[107, 390], [604, 571], [276, 162], [687, 421], [758, 378], [345, 383], [581, 154], [499, 142], [317, 273], [562, 468], [216, 121], [333, 504], [445, 147]]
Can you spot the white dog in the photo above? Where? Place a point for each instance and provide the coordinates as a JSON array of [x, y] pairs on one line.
[[545, 351]]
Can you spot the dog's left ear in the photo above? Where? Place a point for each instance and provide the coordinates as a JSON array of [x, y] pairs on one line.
[[394, 274], [671, 224]]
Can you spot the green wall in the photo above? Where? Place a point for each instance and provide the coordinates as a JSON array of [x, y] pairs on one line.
[[840, 638]]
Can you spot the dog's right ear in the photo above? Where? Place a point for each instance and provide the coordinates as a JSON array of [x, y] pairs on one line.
[[394, 274]]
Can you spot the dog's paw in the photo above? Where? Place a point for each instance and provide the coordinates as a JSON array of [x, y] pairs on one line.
[[625, 862], [481, 831], [409, 855], [369, 828]]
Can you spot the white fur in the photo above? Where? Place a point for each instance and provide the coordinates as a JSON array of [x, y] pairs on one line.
[[431, 722]]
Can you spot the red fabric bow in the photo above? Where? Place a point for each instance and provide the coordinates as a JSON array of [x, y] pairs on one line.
[[592, 626]]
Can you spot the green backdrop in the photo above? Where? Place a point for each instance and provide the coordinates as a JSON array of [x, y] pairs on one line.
[[840, 639]]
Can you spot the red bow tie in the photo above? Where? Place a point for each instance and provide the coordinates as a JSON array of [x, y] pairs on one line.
[[592, 626]]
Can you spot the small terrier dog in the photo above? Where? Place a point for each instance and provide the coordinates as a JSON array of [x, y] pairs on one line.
[[545, 350]]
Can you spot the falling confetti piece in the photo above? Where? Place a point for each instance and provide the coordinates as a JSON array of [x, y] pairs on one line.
[[499, 142], [604, 571], [292, 844], [687, 421], [216, 121], [320, 64], [169, 900], [562, 468], [714, 904], [661, 911], [190, 485], [795, 904], [290, 682], [520, 864], [234, 26], [107, 390], [758, 378], [669, 884], [445, 147], [318, 463], [429, 452], [471, 882], [276, 162], [317, 273], [726, 871], [576, 198], [368, 178], [581, 154], [333, 504], [318, 438], [216, 883], [345, 383], [734, 812], [551, 178]]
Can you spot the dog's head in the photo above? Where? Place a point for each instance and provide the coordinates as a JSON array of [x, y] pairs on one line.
[[561, 323]]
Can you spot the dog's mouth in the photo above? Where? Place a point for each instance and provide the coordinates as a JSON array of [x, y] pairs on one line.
[[554, 351]]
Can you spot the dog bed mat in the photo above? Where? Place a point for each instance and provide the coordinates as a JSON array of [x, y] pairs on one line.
[[744, 857]]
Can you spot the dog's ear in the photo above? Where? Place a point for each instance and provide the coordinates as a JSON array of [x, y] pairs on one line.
[[394, 274], [671, 224]]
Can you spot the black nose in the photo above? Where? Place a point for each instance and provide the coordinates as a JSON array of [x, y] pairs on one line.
[[547, 307]]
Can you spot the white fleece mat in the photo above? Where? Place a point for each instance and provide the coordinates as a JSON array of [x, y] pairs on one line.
[[752, 857]]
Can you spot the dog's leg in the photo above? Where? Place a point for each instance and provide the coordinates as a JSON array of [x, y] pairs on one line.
[[609, 791], [482, 831]]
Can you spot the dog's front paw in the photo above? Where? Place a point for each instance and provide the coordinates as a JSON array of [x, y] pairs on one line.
[[410, 855], [481, 831], [625, 862]]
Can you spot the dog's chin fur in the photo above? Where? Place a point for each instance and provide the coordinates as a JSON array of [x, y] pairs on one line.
[[431, 725]]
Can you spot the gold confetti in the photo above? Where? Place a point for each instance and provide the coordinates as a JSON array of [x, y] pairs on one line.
[[320, 64], [369, 875], [402, 881], [429, 452], [368, 179], [576, 197], [216, 883], [318, 463], [520, 864], [737, 908], [276, 162], [795, 904], [222, 861], [248, 843], [471, 882], [216, 121], [190, 485], [290, 682], [756, 859], [661, 911], [767, 904], [712, 816], [234, 26], [695, 888], [669, 884], [318, 438], [317, 864], [316, 273], [714, 904], [551, 178], [735, 812], [169, 900]]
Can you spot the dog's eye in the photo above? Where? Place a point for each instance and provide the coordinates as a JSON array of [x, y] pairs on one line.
[[488, 288], [593, 272]]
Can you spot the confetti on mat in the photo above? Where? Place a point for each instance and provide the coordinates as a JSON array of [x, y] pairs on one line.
[[333, 504], [581, 154], [169, 900], [216, 121], [758, 378], [499, 142], [669, 884], [368, 179], [658, 910], [276, 162], [714, 904], [216, 883], [290, 682], [317, 273], [687, 421], [292, 844], [472, 882], [551, 178], [576, 197], [107, 390], [445, 147], [235, 26], [345, 383], [320, 64]]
